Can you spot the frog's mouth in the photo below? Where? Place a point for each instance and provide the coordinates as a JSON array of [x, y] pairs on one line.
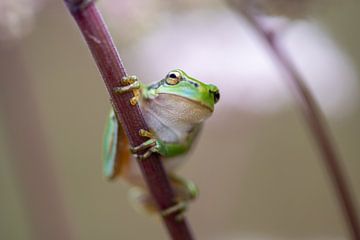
[[190, 101]]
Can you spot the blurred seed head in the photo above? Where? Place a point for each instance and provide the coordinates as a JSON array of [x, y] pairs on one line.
[[17, 17]]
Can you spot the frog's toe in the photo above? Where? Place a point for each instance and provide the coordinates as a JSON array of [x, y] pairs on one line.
[[149, 146], [127, 80], [146, 154], [179, 208], [145, 145], [129, 83]]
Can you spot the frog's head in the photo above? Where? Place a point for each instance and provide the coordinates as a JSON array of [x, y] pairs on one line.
[[188, 95]]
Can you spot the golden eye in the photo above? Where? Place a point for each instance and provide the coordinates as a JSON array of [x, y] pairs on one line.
[[173, 78]]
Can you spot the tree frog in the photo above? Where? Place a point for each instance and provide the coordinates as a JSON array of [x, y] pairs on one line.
[[174, 108]]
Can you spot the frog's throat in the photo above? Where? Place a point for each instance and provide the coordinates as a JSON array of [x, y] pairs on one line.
[[191, 100]]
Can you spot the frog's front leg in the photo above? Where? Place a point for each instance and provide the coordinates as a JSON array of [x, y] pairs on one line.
[[131, 83], [154, 145], [150, 146]]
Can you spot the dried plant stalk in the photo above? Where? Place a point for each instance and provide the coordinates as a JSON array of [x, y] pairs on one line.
[[313, 116]]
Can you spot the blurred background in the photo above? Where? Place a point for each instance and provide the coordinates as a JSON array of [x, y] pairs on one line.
[[258, 169]]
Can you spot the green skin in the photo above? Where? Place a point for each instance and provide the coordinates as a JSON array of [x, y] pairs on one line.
[[174, 108]]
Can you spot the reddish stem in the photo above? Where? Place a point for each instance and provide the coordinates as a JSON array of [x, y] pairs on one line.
[[112, 70], [315, 120]]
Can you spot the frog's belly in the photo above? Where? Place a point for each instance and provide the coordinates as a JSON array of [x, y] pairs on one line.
[[132, 174]]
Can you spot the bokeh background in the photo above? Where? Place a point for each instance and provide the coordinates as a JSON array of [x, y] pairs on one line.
[[257, 167]]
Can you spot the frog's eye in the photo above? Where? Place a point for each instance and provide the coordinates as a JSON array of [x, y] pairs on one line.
[[173, 78]]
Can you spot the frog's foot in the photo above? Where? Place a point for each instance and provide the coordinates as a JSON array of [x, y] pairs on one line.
[[130, 83], [179, 208], [143, 203], [150, 145], [185, 192]]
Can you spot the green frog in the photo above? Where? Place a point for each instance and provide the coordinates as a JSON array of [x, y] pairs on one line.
[[174, 109]]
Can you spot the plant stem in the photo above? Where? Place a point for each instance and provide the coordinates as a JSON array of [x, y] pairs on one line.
[[112, 70], [315, 120]]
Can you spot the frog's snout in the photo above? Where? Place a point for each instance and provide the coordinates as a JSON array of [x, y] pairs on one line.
[[214, 91]]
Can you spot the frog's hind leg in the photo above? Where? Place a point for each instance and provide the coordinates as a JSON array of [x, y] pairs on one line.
[[142, 201], [116, 154], [184, 190]]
